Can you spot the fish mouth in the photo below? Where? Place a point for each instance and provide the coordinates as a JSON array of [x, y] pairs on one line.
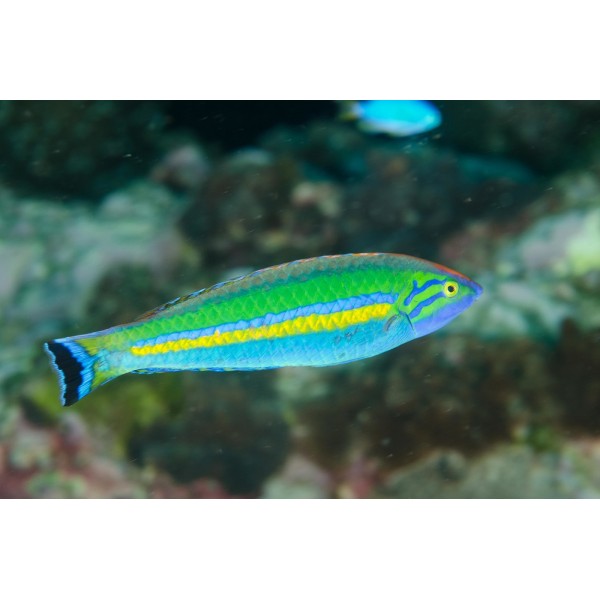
[[477, 289]]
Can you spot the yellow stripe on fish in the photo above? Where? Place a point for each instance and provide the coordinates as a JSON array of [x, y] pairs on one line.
[[300, 325]]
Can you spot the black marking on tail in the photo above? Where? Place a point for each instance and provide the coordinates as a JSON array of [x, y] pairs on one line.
[[69, 371]]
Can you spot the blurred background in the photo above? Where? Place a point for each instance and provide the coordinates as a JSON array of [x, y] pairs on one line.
[[108, 209]]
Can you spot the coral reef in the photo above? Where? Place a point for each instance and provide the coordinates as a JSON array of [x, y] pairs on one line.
[[576, 369], [185, 165], [68, 458], [398, 409], [299, 478], [504, 402], [540, 269], [237, 214], [545, 135], [55, 260], [509, 472], [58, 462], [226, 430], [453, 395], [330, 189], [85, 148]]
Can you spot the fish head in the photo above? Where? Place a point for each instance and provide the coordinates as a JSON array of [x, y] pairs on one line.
[[435, 296]]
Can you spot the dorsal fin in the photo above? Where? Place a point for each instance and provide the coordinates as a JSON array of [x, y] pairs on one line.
[[174, 302], [216, 286], [159, 309]]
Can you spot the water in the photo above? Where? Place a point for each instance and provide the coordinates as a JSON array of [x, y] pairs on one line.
[[109, 209]]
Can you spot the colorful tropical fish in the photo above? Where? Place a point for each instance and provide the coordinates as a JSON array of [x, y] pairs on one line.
[[398, 118], [313, 312]]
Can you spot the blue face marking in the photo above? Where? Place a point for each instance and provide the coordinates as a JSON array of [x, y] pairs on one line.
[[417, 290], [446, 311], [417, 310]]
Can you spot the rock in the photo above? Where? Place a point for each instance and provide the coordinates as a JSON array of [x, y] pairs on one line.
[[505, 472], [539, 271], [54, 259], [77, 149], [299, 478], [545, 135]]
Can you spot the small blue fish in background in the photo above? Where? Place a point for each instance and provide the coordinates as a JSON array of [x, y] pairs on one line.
[[399, 118]]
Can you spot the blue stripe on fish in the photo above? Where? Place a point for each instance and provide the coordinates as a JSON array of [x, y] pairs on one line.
[[417, 310], [417, 290], [320, 308]]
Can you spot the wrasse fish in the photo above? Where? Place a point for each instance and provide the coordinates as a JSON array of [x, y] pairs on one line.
[[312, 312], [398, 118]]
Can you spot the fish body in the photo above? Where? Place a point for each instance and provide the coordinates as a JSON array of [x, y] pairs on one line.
[[312, 312], [399, 118]]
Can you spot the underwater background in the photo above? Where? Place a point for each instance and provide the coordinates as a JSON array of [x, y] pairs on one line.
[[108, 209]]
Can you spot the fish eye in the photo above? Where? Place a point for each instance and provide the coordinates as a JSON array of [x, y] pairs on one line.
[[450, 289]]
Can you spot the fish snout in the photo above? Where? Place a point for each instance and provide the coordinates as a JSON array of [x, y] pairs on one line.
[[477, 289]]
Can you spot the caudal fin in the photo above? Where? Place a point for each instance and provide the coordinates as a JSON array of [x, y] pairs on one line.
[[77, 367]]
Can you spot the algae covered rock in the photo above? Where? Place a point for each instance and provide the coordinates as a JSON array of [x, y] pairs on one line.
[[253, 207], [84, 148], [548, 136], [541, 269], [57, 262], [326, 189], [229, 429], [510, 471]]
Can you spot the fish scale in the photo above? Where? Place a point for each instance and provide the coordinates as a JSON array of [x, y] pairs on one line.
[[312, 312]]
